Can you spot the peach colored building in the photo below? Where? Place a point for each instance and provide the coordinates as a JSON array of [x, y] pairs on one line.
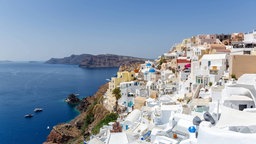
[[242, 64], [181, 62], [237, 37], [217, 48], [208, 39]]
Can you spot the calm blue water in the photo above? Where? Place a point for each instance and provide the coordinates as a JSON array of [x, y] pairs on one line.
[[24, 86]]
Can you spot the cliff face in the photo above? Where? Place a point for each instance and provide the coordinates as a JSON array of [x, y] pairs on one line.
[[129, 67], [92, 111], [73, 59], [87, 60]]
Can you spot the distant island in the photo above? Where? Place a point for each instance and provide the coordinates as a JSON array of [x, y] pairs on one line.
[[97, 61], [5, 61]]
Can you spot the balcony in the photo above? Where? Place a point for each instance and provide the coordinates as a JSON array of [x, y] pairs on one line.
[[214, 72]]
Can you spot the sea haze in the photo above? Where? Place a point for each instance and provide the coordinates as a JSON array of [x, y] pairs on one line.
[[25, 86]]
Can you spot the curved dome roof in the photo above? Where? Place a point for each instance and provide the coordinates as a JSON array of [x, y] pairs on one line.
[[148, 64], [152, 70]]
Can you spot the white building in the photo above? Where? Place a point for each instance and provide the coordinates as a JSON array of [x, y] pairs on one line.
[[172, 55], [128, 92], [146, 65], [250, 38], [184, 74], [236, 127], [165, 74], [162, 114], [242, 94], [118, 138], [209, 69], [149, 73], [131, 120]]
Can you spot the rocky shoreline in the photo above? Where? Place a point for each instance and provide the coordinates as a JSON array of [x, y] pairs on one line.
[[79, 128], [92, 112]]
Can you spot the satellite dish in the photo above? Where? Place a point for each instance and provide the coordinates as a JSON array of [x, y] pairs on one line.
[[197, 121], [208, 117]]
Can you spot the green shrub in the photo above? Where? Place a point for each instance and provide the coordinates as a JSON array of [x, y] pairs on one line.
[[162, 60], [117, 93], [108, 118], [233, 76], [88, 120]]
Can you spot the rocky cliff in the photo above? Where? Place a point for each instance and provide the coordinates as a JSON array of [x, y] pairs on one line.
[[130, 67], [103, 60], [92, 115], [92, 111]]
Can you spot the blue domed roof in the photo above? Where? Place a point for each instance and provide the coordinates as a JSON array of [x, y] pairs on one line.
[[192, 129], [148, 64], [152, 70]]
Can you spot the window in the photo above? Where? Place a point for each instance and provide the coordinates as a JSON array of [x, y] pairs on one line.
[[242, 107], [199, 80], [247, 52], [209, 63], [205, 80]]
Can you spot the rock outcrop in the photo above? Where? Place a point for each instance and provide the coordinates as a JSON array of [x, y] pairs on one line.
[[92, 113], [72, 99], [62, 133], [83, 105], [129, 67], [94, 61], [76, 130]]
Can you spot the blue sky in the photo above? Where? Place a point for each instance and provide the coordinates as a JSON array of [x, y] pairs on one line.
[[41, 29]]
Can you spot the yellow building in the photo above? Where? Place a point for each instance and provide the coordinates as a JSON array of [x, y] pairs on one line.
[[124, 76]]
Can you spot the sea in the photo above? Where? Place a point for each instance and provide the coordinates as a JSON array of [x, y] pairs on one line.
[[25, 86]]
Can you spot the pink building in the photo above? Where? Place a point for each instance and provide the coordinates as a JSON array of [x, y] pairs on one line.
[[182, 62]]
